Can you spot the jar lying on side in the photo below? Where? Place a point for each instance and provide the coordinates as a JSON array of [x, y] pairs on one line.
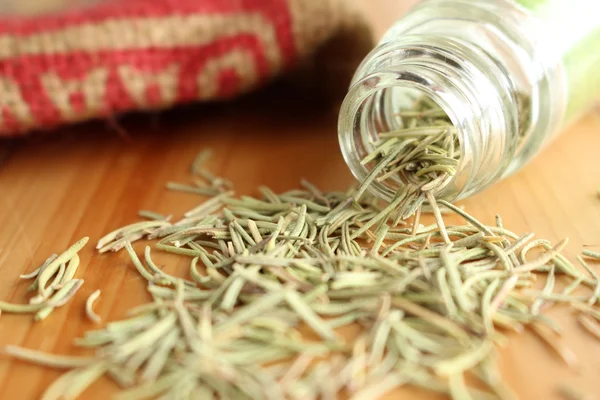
[[461, 93]]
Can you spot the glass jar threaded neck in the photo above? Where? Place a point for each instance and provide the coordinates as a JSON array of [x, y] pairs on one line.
[[473, 91]]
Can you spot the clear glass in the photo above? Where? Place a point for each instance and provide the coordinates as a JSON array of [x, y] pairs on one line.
[[495, 69]]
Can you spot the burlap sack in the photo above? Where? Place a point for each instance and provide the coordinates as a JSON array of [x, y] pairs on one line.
[[106, 58]]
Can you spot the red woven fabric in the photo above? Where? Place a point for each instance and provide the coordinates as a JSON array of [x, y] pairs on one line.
[[149, 54]]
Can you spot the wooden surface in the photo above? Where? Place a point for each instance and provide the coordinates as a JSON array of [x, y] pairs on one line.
[[85, 181]]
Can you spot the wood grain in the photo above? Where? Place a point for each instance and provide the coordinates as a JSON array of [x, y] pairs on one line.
[[84, 181]]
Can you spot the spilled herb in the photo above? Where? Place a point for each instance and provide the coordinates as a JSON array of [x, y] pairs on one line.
[[273, 278], [53, 281]]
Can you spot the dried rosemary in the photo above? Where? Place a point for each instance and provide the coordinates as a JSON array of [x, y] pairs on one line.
[[272, 279], [54, 284]]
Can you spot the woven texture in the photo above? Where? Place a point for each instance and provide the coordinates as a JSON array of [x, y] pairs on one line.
[[109, 58]]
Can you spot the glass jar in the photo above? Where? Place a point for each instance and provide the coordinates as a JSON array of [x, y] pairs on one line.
[[510, 74]]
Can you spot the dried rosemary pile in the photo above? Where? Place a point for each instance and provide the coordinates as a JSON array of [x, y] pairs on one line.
[[275, 280], [54, 283]]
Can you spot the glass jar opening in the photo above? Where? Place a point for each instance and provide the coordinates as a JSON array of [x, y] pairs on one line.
[[407, 111]]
